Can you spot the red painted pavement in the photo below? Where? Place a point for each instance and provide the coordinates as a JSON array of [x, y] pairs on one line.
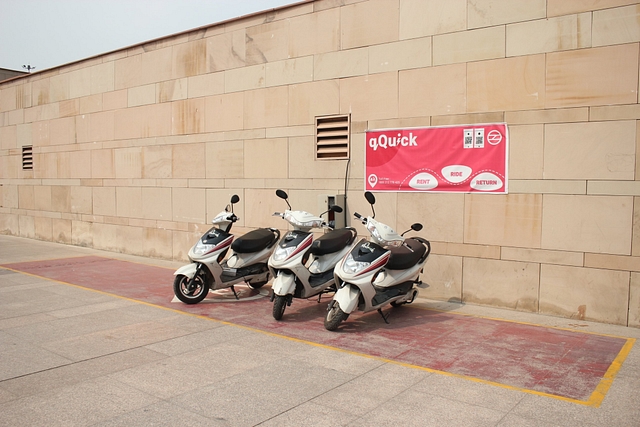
[[557, 362]]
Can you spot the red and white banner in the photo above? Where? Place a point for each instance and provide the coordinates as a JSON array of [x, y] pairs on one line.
[[461, 159]]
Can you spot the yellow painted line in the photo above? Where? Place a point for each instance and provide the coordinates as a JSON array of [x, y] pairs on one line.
[[594, 400]]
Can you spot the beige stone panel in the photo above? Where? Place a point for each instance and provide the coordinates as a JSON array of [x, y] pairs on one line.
[[443, 274], [9, 224], [615, 26], [182, 242], [634, 301], [61, 198], [42, 228], [402, 55], [171, 90], [157, 161], [10, 196], [190, 59], [442, 215], [266, 158], [566, 7], [485, 13], [105, 236], [188, 205], [224, 159], [23, 95], [187, 116], [303, 163], [547, 186], [314, 33], [141, 95], [115, 100], [130, 240], [371, 97], [102, 77], [245, 78], [26, 197], [369, 23], [67, 108], [614, 112], [62, 131], [290, 131], [433, 91], [344, 63], [549, 35], [289, 71], [41, 196], [102, 164], [61, 230], [81, 233], [224, 112], [599, 76], [156, 203], [397, 123], [59, 87], [612, 262], [420, 18], [188, 161], [157, 243], [226, 51], [80, 164], [507, 284], [104, 201], [80, 83], [584, 293], [148, 67], [635, 243], [205, 85], [614, 188], [144, 121], [468, 46], [81, 200], [596, 224], [26, 226], [8, 137], [575, 259], [129, 202], [590, 158], [24, 135], [267, 42], [42, 112], [101, 126], [309, 100], [556, 115], [259, 204], [8, 99], [266, 108], [90, 104], [526, 145], [40, 92], [506, 84], [128, 162], [505, 220]]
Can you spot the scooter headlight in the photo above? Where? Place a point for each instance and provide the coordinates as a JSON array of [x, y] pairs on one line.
[[352, 266], [280, 254], [202, 248]]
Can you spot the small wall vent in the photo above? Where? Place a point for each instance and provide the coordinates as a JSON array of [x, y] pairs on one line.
[[27, 158], [332, 137]]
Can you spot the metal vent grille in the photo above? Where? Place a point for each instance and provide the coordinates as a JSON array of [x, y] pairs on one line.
[[27, 158], [332, 137]]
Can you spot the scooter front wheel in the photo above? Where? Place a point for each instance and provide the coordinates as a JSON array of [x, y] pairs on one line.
[[190, 291], [279, 305], [335, 316]]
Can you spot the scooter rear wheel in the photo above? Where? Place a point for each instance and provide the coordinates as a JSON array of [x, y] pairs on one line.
[[334, 317], [190, 291], [279, 305]]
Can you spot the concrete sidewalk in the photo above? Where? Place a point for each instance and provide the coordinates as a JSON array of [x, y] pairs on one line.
[[71, 356]]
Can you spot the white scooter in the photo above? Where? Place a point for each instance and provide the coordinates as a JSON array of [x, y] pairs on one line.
[[375, 273], [303, 267], [209, 270]]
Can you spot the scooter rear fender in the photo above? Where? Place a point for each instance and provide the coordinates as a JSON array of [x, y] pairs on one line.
[[188, 270], [284, 284], [347, 298]]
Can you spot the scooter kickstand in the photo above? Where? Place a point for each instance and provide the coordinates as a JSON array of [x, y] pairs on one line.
[[235, 294], [383, 316]]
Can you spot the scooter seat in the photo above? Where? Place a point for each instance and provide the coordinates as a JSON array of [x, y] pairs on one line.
[[254, 241], [402, 257], [332, 242]]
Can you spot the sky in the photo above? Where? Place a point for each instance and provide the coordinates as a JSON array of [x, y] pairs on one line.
[[48, 33]]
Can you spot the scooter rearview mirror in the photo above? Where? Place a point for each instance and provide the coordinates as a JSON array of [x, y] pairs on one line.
[[282, 194], [370, 197], [416, 227], [336, 208], [235, 199]]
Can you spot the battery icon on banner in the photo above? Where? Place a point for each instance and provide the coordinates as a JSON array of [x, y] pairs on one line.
[[478, 141], [468, 139]]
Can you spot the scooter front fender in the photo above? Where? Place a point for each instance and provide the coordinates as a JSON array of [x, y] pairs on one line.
[[284, 284], [188, 270], [347, 298]]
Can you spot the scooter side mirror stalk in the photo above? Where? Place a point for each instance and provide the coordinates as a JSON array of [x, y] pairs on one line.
[[415, 227], [372, 201], [283, 195]]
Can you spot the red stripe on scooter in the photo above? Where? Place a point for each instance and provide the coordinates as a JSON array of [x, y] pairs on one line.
[[304, 245], [223, 244], [382, 261]]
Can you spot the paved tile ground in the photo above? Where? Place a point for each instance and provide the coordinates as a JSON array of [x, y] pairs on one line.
[[74, 356]]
